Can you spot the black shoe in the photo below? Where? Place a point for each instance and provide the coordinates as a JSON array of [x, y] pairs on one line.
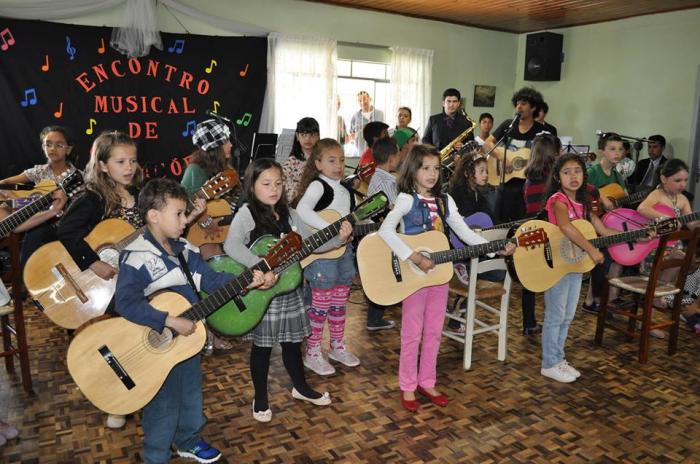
[[527, 331], [592, 308], [381, 324]]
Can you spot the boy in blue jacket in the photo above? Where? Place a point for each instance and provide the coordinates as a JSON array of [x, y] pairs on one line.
[[149, 264]]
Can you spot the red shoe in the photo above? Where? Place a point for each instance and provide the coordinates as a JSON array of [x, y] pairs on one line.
[[409, 405], [438, 400]]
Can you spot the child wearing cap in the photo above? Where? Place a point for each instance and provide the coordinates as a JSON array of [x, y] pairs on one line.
[[305, 137]]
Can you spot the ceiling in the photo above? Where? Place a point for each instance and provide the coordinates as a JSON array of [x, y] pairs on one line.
[[518, 15]]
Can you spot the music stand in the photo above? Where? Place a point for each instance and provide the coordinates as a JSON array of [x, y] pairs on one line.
[[577, 149], [263, 147]]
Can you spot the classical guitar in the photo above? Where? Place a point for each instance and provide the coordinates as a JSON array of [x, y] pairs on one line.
[[540, 268], [622, 219], [618, 197], [222, 212], [71, 185], [69, 296], [387, 280], [242, 314], [358, 230], [518, 159], [120, 366]]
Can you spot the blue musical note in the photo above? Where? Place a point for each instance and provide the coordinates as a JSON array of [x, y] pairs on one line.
[[69, 49], [177, 47], [29, 98], [189, 128]]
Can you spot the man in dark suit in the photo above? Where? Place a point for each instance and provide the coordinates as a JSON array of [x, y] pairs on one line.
[[645, 175], [443, 128]]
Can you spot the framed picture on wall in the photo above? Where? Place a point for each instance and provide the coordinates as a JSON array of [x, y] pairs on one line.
[[484, 95]]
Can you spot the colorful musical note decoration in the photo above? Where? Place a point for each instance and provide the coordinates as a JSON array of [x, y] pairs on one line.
[[29, 98], [189, 128], [89, 130], [70, 49], [245, 120], [45, 66], [177, 47], [216, 106], [101, 48], [7, 39], [59, 113], [244, 72], [211, 66]]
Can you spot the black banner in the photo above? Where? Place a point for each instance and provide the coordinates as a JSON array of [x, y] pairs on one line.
[[68, 75]]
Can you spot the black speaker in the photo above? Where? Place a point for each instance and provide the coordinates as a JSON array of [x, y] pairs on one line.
[[543, 56]]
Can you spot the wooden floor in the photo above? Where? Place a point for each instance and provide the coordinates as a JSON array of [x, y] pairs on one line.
[[618, 411]]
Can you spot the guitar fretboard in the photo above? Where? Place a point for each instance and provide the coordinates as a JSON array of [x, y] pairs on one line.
[[631, 199], [11, 222], [237, 286], [360, 230], [472, 251], [630, 236], [508, 225]]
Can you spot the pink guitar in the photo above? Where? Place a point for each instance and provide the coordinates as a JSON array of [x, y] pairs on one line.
[[624, 219]]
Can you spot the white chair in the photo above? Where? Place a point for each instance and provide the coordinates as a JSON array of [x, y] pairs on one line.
[[475, 292]]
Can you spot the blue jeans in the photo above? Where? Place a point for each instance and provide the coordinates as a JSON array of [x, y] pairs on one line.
[[174, 415], [560, 304], [329, 273]]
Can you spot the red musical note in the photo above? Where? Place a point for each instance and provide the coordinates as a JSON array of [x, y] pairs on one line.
[[59, 113], [101, 49], [45, 66], [244, 72], [7, 39]]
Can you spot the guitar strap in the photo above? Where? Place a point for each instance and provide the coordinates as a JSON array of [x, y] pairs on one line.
[[186, 270]]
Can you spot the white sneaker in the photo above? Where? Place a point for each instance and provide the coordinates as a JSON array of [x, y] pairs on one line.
[[344, 356], [560, 373], [317, 363], [575, 372], [115, 421]]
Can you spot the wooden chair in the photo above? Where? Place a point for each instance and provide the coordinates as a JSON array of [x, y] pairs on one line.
[[645, 289], [475, 293], [14, 336]]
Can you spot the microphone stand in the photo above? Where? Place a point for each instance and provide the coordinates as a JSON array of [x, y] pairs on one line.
[[503, 140]]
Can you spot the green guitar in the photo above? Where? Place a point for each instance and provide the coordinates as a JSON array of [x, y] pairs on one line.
[[243, 313]]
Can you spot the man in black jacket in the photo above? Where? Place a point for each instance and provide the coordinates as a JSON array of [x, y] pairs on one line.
[[444, 127], [645, 175]]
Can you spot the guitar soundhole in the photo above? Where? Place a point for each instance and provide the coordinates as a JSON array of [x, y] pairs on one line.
[[158, 341], [110, 256], [570, 251], [519, 164]]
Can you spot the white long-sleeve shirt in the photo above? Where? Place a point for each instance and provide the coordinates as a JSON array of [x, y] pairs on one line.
[[314, 192], [403, 205]]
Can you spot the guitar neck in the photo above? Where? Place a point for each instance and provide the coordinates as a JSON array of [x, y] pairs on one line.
[[472, 251], [629, 236], [216, 300], [12, 221], [689, 217], [631, 199], [360, 230], [508, 225]]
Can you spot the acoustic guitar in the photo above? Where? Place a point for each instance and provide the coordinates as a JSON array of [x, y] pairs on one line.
[[222, 212], [120, 366], [618, 197], [243, 313], [622, 219], [540, 268], [71, 185], [358, 230], [387, 280], [518, 158], [71, 297]]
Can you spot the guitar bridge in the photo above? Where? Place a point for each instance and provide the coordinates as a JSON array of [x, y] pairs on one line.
[[118, 369], [396, 267]]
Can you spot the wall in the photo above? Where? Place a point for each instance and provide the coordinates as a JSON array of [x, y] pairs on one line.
[[634, 76]]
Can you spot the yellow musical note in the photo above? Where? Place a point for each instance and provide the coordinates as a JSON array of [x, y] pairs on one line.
[[88, 131], [216, 106], [45, 66], [211, 66]]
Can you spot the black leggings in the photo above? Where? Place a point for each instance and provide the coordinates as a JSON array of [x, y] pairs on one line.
[[260, 365]]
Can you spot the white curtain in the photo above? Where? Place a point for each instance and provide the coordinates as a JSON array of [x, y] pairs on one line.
[[301, 82], [411, 84]]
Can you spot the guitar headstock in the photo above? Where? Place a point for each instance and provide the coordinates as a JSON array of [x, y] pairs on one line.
[[367, 171], [72, 184], [220, 183], [532, 238], [371, 206], [665, 226], [283, 250]]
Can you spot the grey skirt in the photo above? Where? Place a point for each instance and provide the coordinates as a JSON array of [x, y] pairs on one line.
[[284, 322]]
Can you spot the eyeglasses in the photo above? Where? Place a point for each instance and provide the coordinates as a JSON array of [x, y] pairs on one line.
[[58, 146]]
